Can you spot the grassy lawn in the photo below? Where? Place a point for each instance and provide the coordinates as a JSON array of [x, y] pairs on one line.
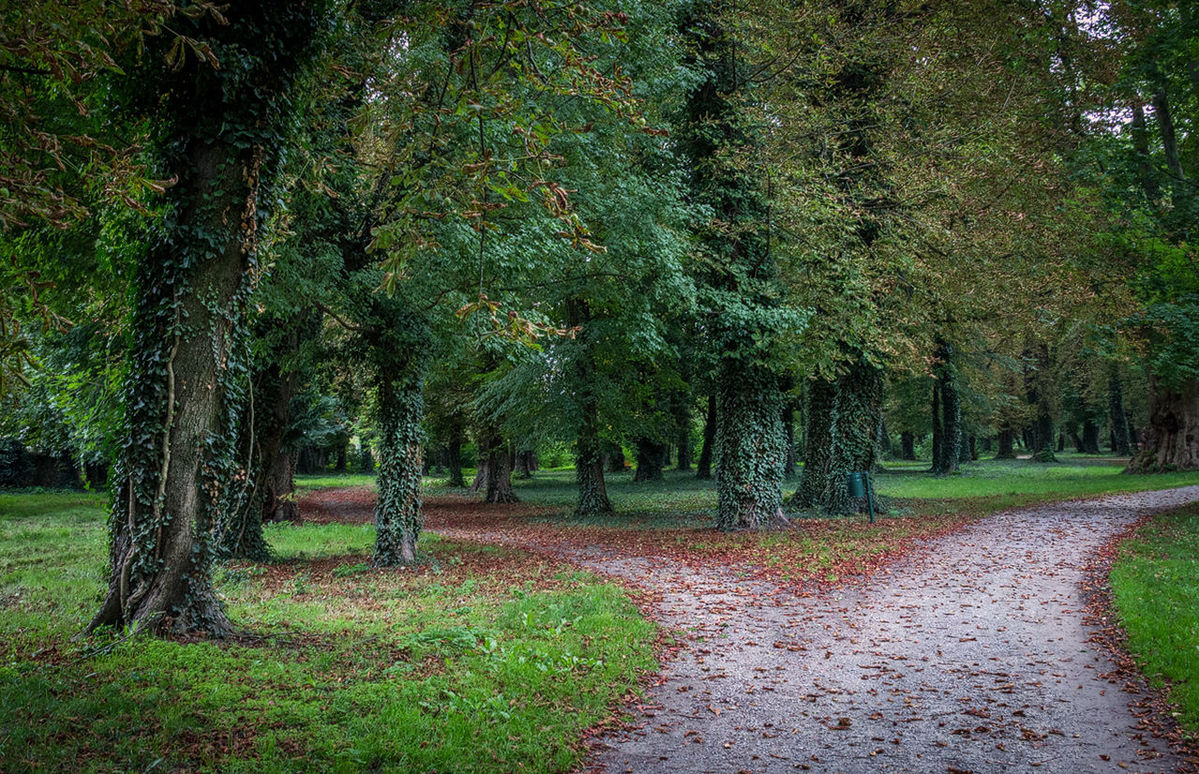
[[482, 659], [1155, 584], [682, 500]]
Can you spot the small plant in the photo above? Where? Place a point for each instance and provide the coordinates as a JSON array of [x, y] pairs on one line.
[[347, 570], [299, 584]]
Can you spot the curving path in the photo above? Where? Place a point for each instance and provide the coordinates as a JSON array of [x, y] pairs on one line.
[[969, 656]]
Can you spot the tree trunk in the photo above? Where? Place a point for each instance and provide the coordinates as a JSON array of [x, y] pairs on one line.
[[824, 461], [938, 439], [589, 466], [1171, 441], [651, 459], [749, 449], [843, 428], [1121, 444], [454, 457], [480, 481], [947, 455], [188, 354], [682, 418], [907, 445], [1007, 442], [269, 482], [496, 470], [790, 463], [1140, 145], [398, 518], [1040, 433], [613, 456], [703, 469], [1165, 127], [524, 467], [1090, 436]]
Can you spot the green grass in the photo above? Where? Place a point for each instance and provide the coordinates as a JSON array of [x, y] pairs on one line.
[[682, 500], [1019, 482], [1155, 583], [481, 659]]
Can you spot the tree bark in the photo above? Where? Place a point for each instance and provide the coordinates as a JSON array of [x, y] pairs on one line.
[[1171, 441], [651, 459], [188, 354], [589, 466], [703, 469], [398, 519], [749, 450], [682, 418], [947, 454], [790, 463], [1121, 441], [907, 445], [496, 470], [1007, 443], [454, 457]]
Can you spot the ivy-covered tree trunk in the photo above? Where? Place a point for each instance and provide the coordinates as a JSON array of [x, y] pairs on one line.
[[398, 519], [1121, 440], [1171, 441], [938, 439], [703, 468], [220, 133], [270, 482], [749, 450], [824, 460], [790, 463], [844, 420]]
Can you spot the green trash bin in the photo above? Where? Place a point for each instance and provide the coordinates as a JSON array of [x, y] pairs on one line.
[[856, 484]]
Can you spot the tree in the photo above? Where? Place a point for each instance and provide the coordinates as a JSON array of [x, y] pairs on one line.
[[188, 364], [742, 316]]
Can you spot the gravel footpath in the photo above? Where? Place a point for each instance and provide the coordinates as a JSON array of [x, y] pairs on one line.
[[970, 656]]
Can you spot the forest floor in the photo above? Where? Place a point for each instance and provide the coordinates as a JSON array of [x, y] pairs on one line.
[[949, 644]]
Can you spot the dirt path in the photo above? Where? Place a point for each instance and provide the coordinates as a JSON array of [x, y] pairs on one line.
[[970, 656]]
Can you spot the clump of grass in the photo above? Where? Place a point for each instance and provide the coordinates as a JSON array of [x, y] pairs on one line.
[[1155, 586]]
